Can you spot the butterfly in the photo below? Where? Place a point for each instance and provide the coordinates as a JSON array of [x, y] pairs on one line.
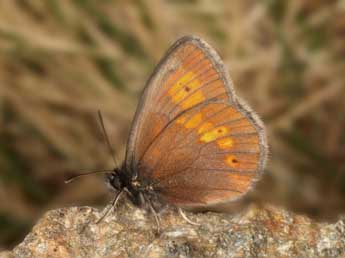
[[193, 142]]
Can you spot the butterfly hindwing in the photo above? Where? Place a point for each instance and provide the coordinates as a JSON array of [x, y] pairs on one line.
[[211, 153]]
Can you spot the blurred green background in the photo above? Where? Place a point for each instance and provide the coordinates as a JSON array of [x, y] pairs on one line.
[[61, 61]]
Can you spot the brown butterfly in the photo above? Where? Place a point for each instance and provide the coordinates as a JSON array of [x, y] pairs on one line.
[[193, 142]]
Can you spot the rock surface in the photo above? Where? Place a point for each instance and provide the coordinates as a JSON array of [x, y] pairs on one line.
[[131, 232]]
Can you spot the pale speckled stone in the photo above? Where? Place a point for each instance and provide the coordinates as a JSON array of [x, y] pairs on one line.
[[131, 232]]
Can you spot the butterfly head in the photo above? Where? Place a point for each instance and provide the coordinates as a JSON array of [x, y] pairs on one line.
[[119, 179]]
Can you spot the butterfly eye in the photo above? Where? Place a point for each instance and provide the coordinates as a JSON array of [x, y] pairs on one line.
[[113, 181]]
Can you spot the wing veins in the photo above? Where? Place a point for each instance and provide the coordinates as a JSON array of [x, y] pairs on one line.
[[169, 123], [190, 63], [208, 118], [192, 92], [192, 79], [206, 189], [171, 175], [205, 121], [209, 68]]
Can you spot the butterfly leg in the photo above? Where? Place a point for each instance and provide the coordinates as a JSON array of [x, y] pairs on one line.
[[157, 218], [183, 215], [153, 211], [113, 204]]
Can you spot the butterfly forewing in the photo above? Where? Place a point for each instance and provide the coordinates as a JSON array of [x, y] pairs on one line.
[[186, 77], [192, 138]]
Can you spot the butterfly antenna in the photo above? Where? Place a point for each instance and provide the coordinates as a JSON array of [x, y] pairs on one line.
[[72, 178], [112, 153], [106, 138]]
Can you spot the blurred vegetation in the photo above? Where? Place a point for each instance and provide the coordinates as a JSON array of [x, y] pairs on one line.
[[61, 61]]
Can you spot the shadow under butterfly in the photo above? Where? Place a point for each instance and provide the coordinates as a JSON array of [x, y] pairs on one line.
[[193, 143]]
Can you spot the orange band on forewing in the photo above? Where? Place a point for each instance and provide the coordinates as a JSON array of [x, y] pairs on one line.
[[194, 121], [193, 100], [176, 91], [204, 127], [181, 120], [225, 143], [214, 134]]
